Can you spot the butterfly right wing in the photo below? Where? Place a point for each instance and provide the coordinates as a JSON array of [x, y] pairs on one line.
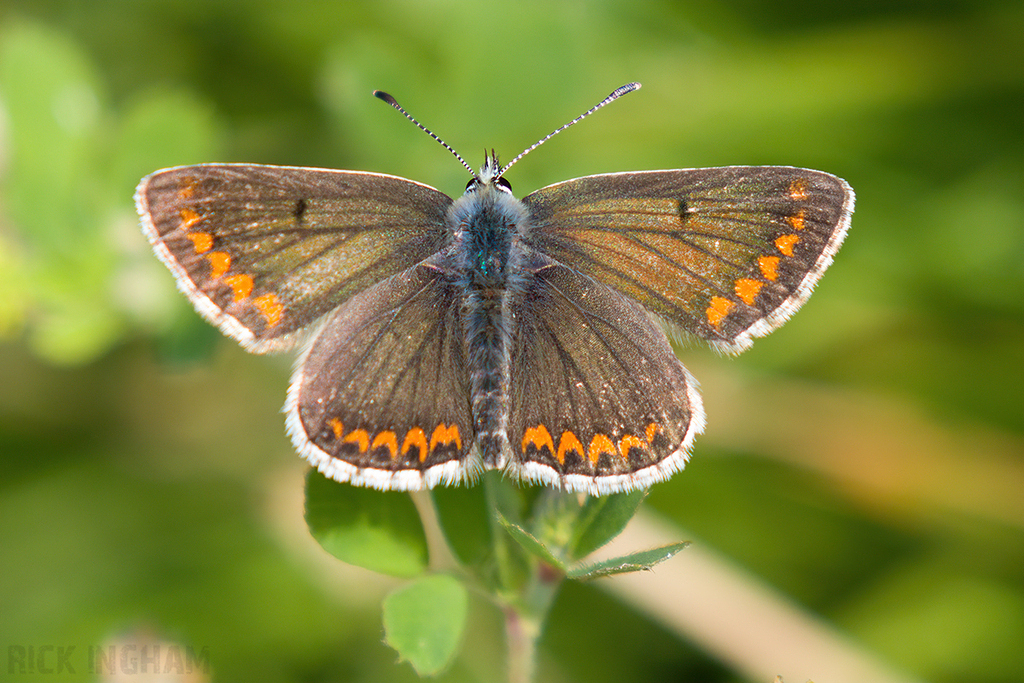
[[264, 251]]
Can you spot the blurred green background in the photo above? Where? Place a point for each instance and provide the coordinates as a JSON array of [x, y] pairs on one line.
[[865, 462]]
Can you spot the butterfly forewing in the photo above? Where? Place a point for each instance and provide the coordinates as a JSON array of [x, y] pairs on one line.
[[382, 396], [599, 401], [263, 251], [727, 253]]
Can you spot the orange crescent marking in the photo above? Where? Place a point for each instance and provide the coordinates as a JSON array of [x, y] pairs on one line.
[[719, 308], [415, 437], [769, 266], [389, 439], [598, 445], [796, 220], [747, 290], [652, 431], [445, 435], [540, 437], [630, 441], [360, 437], [337, 426], [202, 242], [220, 263], [269, 307], [785, 244], [189, 218], [568, 442], [240, 284]]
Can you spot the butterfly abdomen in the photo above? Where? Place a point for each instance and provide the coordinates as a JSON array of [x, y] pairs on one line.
[[485, 221]]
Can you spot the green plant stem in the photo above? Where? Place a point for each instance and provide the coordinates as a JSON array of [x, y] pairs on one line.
[[524, 622], [522, 646]]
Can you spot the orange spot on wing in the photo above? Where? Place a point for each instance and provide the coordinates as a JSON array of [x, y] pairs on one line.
[[798, 189], [189, 218], [568, 442], [540, 437], [598, 445], [796, 220], [202, 242], [389, 439], [360, 437], [269, 307], [747, 290], [769, 266], [652, 431], [629, 441], [415, 437], [337, 426], [785, 244], [220, 263], [241, 285], [445, 435], [719, 308]]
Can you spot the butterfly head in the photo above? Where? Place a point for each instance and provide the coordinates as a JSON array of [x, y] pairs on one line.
[[489, 176]]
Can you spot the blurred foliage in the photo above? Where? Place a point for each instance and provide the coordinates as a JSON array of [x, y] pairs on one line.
[[518, 566], [867, 460]]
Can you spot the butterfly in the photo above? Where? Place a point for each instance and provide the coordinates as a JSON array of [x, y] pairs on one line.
[[445, 337]]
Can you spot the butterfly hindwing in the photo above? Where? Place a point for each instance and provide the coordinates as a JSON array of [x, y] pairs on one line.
[[727, 254], [263, 251], [381, 398], [598, 400]]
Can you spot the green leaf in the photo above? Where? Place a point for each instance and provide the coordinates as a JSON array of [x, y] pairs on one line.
[[377, 530], [634, 562], [463, 515], [424, 622], [602, 519], [553, 519], [530, 543], [506, 501]]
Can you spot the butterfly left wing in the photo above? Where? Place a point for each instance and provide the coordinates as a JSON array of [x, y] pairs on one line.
[[381, 398], [727, 254], [264, 251], [598, 401]]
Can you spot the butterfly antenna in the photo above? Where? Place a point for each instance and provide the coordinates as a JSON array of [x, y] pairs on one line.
[[616, 94], [381, 95]]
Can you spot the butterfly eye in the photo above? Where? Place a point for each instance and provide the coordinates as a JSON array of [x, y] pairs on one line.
[[473, 182], [504, 184]]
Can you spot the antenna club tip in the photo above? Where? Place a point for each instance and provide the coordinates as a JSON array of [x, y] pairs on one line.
[[629, 87], [381, 95]]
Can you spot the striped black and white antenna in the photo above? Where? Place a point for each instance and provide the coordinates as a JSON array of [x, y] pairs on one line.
[[615, 94]]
